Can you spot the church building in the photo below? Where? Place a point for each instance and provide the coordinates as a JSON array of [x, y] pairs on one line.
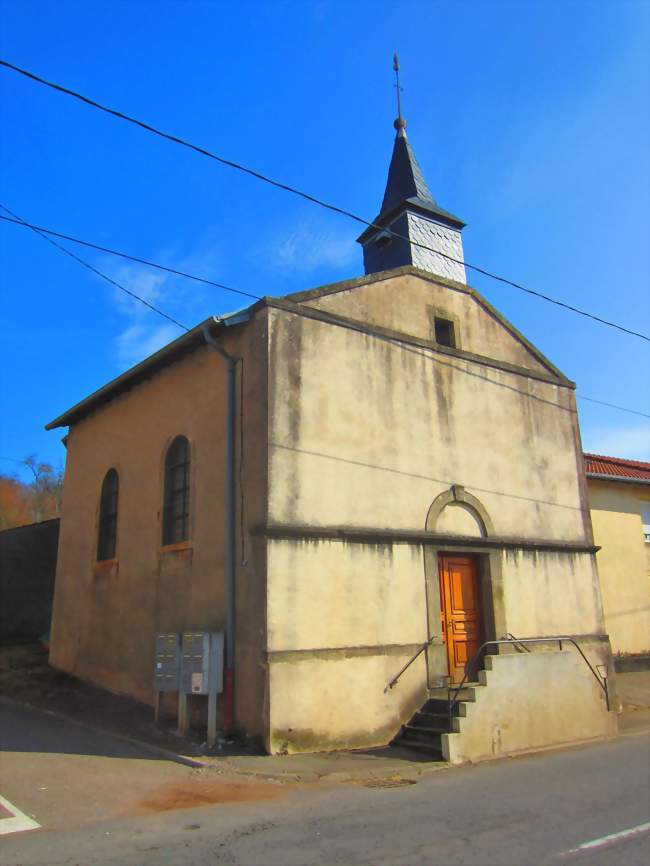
[[361, 485]]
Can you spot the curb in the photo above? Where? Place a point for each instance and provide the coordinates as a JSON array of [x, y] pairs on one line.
[[408, 773]]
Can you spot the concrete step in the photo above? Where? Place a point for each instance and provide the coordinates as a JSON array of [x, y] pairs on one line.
[[425, 736], [467, 693], [427, 747], [437, 706], [431, 721], [425, 750]]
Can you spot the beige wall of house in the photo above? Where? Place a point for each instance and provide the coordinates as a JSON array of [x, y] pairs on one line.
[[366, 432], [623, 561], [106, 615]]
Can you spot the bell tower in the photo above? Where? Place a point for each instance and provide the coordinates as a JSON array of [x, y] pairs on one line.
[[409, 210]]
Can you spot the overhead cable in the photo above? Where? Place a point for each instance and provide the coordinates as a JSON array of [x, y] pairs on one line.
[[43, 232], [95, 270], [311, 198]]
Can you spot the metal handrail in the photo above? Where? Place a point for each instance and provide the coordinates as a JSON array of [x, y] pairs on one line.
[[602, 681], [392, 682], [516, 641]]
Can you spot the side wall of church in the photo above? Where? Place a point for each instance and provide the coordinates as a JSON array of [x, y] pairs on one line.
[[106, 615]]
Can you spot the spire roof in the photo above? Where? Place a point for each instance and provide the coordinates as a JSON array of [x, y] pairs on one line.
[[406, 184], [405, 178]]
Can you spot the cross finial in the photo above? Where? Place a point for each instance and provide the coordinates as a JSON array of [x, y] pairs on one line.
[[400, 123]]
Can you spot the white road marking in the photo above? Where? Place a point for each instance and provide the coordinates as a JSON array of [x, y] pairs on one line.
[[608, 840], [18, 822]]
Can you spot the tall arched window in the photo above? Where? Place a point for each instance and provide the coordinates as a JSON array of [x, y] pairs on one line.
[[176, 511], [107, 536]]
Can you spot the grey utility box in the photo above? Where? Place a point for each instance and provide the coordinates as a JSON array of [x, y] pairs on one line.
[[167, 669], [201, 662]]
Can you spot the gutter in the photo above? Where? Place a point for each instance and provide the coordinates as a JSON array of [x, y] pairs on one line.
[[231, 541], [622, 479]]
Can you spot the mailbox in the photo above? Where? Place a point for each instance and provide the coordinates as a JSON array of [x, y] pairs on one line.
[[201, 662], [190, 663], [168, 662], [195, 669]]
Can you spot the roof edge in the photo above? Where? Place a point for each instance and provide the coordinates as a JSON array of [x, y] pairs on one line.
[[410, 270], [418, 205], [623, 479], [182, 345]]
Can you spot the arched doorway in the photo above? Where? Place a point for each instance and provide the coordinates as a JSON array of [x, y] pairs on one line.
[[460, 584]]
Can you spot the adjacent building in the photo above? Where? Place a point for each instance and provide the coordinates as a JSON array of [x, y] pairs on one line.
[[406, 484], [619, 499]]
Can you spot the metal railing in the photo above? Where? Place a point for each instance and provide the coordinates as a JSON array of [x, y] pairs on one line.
[[408, 664], [507, 639], [513, 641]]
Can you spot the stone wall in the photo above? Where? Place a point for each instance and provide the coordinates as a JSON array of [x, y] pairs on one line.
[[27, 570]]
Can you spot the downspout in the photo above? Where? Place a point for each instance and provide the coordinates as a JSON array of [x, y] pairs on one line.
[[231, 540]]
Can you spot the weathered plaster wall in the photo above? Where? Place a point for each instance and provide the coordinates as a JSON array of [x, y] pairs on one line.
[[623, 562], [547, 593], [106, 616], [530, 701], [342, 620], [409, 303], [366, 433]]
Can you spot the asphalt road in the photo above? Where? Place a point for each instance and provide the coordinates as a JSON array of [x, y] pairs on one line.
[[519, 812]]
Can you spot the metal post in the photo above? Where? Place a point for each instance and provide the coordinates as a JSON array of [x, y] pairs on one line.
[[183, 720], [212, 719]]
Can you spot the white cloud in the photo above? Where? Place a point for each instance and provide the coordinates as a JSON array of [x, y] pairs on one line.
[[631, 441], [149, 285], [140, 340], [309, 244], [143, 331]]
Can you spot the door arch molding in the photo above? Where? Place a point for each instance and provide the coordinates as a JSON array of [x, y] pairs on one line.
[[457, 495]]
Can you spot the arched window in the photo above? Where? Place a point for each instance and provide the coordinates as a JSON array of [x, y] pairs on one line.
[[176, 511], [107, 536]]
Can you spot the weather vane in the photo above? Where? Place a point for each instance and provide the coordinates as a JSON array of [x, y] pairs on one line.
[[400, 123]]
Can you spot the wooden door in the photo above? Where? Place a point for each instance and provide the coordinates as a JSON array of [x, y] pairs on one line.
[[460, 602]]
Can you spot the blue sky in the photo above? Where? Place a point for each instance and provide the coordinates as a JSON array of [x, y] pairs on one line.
[[530, 120]]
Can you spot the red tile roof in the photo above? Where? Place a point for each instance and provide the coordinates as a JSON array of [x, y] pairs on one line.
[[597, 464]]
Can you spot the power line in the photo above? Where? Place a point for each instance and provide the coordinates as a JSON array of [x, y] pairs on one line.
[[94, 269], [313, 199], [94, 246], [613, 406], [43, 232]]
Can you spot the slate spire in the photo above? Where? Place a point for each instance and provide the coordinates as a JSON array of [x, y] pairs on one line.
[[409, 210], [405, 178]]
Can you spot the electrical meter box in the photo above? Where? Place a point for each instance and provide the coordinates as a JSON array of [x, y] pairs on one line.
[[167, 669], [201, 662]]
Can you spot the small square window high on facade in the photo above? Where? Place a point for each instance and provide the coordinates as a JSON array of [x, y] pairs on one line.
[[444, 332]]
